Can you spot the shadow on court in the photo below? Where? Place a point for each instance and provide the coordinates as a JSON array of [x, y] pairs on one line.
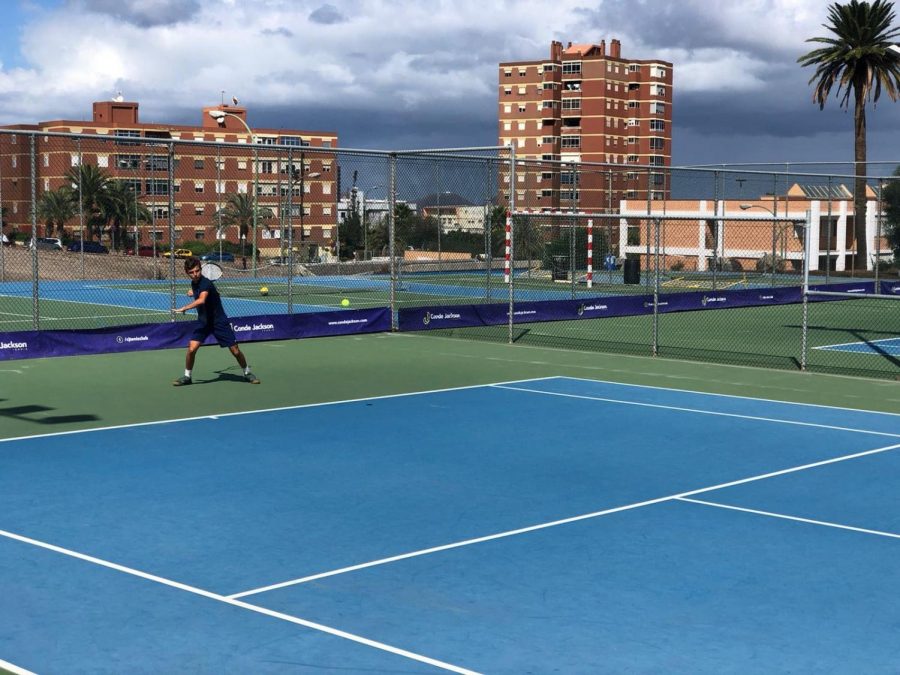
[[30, 413]]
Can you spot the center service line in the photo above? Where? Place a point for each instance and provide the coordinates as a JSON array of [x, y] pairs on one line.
[[563, 521]]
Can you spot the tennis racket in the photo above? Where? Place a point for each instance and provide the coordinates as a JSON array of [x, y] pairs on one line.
[[211, 271]]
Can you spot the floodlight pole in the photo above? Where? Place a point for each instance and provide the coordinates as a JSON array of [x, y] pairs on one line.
[[219, 116]]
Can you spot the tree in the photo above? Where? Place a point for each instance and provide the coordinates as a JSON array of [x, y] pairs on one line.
[[858, 59], [238, 212], [121, 209], [90, 192], [56, 208], [891, 199]]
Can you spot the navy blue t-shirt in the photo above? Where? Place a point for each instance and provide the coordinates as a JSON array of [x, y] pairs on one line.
[[211, 312]]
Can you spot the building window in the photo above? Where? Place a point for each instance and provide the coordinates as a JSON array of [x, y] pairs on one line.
[[103, 161], [522, 107], [198, 209], [126, 133], [658, 108], [521, 126], [656, 160], [266, 140], [657, 125], [156, 163], [128, 161], [571, 67], [507, 90], [631, 140], [156, 186], [507, 108], [572, 104], [267, 167], [657, 143], [290, 140], [46, 159], [572, 86], [242, 164], [522, 72], [633, 159], [198, 163], [198, 186], [160, 212], [523, 89], [571, 141], [633, 68], [507, 72], [546, 193], [507, 126], [546, 176]]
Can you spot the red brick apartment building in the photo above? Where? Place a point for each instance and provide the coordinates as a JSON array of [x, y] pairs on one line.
[[583, 104], [204, 175]]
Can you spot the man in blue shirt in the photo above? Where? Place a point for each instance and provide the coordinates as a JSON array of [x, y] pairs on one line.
[[211, 320]]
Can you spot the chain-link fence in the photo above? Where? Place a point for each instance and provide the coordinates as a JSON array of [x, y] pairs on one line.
[[704, 263]]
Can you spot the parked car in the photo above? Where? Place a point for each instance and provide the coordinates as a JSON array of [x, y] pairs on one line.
[[88, 247], [179, 253], [146, 251], [215, 256], [48, 244]]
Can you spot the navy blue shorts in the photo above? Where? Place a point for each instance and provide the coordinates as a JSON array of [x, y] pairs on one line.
[[221, 331]]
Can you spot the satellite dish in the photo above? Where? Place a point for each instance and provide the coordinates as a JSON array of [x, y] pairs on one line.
[[118, 98]]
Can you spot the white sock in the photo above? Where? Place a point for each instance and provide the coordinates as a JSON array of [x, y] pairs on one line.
[[187, 373], [246, 369]]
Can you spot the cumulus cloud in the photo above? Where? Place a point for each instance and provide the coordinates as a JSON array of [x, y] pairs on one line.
[[327, 14], [376, 70], [144, 13]]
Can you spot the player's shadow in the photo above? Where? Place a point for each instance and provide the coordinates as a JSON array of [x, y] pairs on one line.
[[27, 413], [223, 376]]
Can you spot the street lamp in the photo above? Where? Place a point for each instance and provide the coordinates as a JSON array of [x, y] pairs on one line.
[[365, 223], [776, 231], [219, 116]]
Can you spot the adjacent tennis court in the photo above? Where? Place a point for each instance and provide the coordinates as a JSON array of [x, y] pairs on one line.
[[553, 524]]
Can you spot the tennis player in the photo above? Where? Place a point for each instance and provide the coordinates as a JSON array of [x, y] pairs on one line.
[[211, 320]]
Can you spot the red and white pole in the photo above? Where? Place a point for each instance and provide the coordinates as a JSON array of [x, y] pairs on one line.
[[506, 267], [590, 253]]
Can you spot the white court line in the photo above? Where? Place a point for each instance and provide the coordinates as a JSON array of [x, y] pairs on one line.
[[268, 410], [563, 521], [16, 670], [858, 342], [741, 398], [236, 603], [44, 317], [697, 410], [787, 517]]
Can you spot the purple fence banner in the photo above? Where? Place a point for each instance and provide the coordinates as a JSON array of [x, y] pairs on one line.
[[37, 344], [461, 316]]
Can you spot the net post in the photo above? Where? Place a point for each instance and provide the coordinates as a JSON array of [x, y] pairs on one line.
[[35, 293], [392, 205]]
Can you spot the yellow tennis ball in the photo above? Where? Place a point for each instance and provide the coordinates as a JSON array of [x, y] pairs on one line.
[[345, 302], [264, 290]]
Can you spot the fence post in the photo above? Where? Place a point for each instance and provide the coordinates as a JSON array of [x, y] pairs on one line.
[[804, 333], [290, 224], [35, 305], [171, 186], [392, 205], [510, 239], [658, 226], [2, 223]]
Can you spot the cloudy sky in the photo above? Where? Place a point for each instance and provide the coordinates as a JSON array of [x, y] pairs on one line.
[[398, 74]]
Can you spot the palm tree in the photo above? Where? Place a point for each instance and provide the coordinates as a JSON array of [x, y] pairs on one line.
[[56, 208], [90, 189], [238, 212], [122, 209], [859, 60]]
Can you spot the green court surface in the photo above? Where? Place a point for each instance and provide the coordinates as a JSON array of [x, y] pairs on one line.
[[44, 396]]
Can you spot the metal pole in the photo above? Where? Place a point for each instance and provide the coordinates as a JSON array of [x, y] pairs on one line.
[[253, 251], [81, 206], [219, 200], [774, 223], [35, 307], [573, 207], [290, 230], [365, 228], [302, 205], [512, 239], [716, 223], [804, 333], [655, 347], [488, 226], [877, 243], [392, 205], [828, 235], [609, 233], [171, 178]]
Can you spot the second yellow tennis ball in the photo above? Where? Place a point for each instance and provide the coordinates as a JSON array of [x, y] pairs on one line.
[[264, 290], [345, 302]]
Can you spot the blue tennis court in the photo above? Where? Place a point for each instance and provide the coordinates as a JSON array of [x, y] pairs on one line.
[[889, 346], [549, 525]]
